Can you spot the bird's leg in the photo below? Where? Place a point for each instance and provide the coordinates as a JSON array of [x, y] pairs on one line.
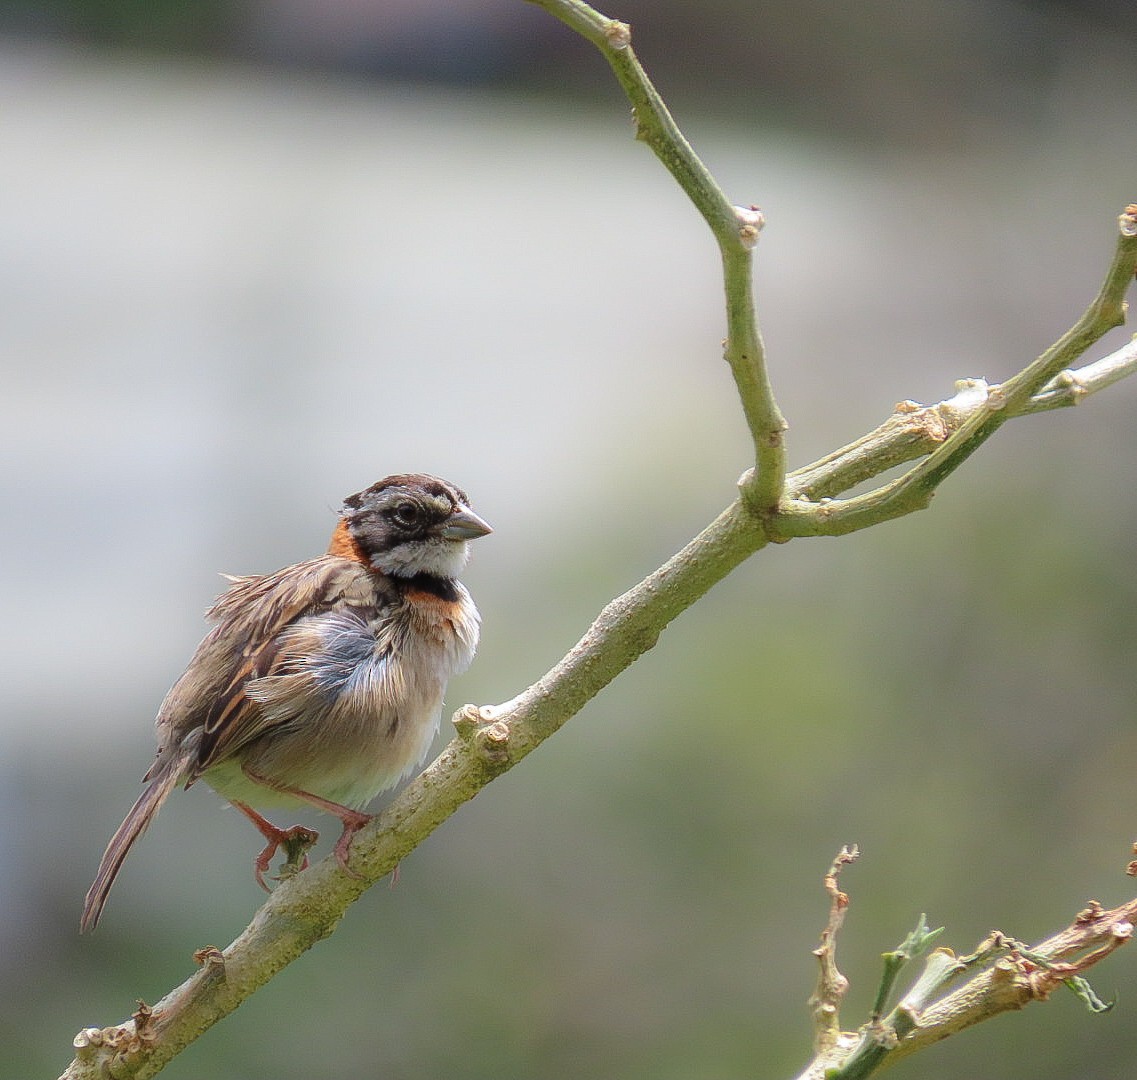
[[352, 820], [295, 841]]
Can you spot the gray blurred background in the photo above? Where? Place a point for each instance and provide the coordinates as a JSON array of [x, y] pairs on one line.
[[254, 255]]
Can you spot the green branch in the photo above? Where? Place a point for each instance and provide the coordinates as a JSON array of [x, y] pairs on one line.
[[1006, 976], [1045, 383], [735, 228]]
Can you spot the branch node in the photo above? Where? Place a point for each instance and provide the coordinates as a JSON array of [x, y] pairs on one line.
[[1004, 970], [493, 742], [87, 1044], [119, 1046], [774, 438], [469, 719], [1071, 382], [1127, 222], [618, 34], [1090, 913], [969, 393], [212, 959], [996, 398], [145, 1025], [751, 221], [885, 1036]]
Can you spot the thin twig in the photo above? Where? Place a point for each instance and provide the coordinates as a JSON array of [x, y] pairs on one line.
[[914, 430], [825, 1001], [735, 229], [914, 490], [1073, 385]]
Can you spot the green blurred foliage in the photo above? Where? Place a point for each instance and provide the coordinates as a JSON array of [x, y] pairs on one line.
[[144, 24]]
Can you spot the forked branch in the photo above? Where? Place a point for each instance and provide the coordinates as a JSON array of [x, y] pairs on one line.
[[1036, 386], [1002, 975]]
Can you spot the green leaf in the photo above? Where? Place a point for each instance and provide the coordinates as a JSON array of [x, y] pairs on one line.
[[1085, 993]]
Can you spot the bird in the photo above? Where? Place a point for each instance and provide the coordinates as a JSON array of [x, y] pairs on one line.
[[320, 684]]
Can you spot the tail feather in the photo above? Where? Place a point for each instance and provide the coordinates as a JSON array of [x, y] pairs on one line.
[[133, 826]]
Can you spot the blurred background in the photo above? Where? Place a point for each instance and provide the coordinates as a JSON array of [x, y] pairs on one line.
[[255, 255]]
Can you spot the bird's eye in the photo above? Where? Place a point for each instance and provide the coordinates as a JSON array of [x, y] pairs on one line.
[[407, 514]]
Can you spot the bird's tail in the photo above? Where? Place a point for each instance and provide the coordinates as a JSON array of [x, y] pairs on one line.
[[133, 826]]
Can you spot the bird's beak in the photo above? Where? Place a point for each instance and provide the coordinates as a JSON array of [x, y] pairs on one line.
[[464, 524]]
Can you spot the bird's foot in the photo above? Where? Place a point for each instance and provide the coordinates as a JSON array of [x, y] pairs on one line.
[[296, 842], [353, 821]]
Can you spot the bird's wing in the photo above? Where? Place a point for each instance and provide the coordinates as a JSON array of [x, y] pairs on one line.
[[255, 619]]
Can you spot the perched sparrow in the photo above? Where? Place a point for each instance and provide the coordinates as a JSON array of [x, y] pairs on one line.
[[321, 684]]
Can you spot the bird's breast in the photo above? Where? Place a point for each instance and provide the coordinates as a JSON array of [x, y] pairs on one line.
[[357, 694]]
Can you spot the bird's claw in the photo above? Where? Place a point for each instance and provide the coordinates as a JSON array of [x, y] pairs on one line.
[[296, 843]]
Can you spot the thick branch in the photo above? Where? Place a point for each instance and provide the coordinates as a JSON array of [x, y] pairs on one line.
[[306, 908]]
